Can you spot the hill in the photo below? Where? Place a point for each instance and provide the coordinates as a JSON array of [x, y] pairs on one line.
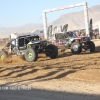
[[74, 19]]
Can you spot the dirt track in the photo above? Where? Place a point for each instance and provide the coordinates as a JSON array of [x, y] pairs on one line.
[[84, 67]]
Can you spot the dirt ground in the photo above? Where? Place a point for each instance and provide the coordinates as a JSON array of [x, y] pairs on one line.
[[71, 75]]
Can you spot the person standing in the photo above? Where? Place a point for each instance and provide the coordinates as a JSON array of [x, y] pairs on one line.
[[95, 34]]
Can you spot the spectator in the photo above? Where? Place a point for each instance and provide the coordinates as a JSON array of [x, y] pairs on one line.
[[95, 34], [82, 33], [77, 34]]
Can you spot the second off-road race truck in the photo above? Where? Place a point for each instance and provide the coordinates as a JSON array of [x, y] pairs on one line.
[[65, 40]]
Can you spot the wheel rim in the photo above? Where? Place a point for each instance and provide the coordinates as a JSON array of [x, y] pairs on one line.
[[75, 47], [29, 55], [2, 57], [28, 46]]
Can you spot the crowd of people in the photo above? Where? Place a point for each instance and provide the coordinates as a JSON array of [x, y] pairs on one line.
[[77, 33], [93, 34]]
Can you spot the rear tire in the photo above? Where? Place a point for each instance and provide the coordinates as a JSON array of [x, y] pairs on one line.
[[91, 46], [31, 55], [76, 48], [52, 51]]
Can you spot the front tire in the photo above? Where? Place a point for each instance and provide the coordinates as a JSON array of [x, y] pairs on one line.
[[31, 55], [76, 48], [3, 55], [51, 51]]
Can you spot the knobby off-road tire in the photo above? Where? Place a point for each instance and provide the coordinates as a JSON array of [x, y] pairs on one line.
[[30, 55], [91, 46], [3, 55], [52, 51], [76, 48]]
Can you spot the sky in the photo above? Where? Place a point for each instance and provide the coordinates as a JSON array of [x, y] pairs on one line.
[[21, 12]]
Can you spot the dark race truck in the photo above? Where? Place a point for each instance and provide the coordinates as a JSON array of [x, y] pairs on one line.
[[29, 47]]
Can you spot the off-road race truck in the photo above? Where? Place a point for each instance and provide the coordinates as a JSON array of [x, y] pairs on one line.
[[29, 46], [65, 40]]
